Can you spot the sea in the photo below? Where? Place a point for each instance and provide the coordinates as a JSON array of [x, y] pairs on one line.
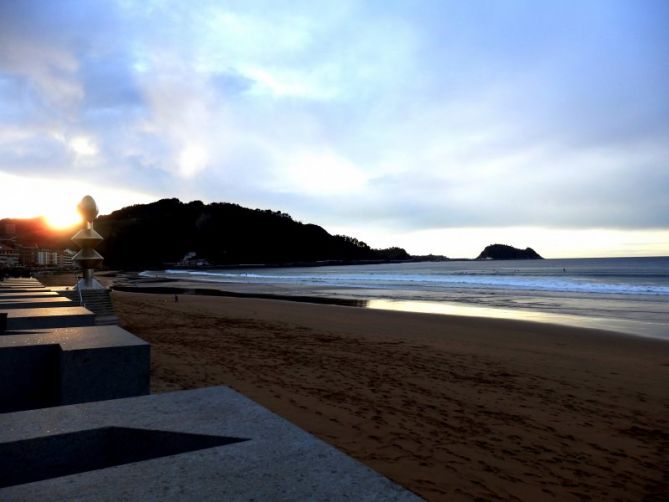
[[627, 295]]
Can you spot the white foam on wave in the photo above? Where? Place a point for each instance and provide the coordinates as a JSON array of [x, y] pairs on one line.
[[431, 282]]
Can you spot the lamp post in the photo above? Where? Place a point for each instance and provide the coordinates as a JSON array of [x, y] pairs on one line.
[[87, 239]]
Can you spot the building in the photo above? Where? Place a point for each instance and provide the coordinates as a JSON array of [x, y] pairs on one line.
[[9, 256], [191, 260], [15, 255], [8, 229], [28, 255], [65, 258], [47, 258]]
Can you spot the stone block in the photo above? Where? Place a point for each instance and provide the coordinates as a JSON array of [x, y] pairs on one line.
[[44, 318], [38, 294], [20, 281], [28, 377], [29, 460], [71, 365], [21, 289], [26, 303], [220, 446]]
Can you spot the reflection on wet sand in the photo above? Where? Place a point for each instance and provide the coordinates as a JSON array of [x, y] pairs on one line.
[[648, 329]]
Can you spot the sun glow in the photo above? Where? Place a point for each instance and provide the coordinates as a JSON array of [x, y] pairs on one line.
[[56, 199], [62, 218]]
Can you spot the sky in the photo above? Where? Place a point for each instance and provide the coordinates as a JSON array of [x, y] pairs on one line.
[[439, 126]]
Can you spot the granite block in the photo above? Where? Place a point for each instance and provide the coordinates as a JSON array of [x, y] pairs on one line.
[[276, 461], [71, 365], [41, 318]]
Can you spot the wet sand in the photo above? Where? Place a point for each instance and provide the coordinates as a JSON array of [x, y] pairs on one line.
[[453, 408]]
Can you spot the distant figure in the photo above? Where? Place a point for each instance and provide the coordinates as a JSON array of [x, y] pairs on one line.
[[564, 269], [176, 299]]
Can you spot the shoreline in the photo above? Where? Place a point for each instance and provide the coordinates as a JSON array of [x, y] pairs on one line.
[[181, 290], [626, 327], [451, 407], [609, 294], [507, 305]]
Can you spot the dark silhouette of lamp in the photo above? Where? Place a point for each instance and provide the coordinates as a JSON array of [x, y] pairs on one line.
[[88, 259]]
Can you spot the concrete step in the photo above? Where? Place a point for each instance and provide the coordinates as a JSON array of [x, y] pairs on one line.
[[97, 301]]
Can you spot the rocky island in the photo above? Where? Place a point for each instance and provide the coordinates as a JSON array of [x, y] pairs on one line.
[[504, 252]]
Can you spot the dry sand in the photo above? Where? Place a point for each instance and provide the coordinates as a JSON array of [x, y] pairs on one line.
[[452, 408]]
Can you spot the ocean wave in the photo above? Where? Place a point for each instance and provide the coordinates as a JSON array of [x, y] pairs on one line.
[[426, 282]]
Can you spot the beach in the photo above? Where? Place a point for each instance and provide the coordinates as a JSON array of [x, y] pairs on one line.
[[626, 295], [453, 408]]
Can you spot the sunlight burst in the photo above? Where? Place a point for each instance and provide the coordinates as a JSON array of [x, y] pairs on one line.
[[60, 218], [56, 199]]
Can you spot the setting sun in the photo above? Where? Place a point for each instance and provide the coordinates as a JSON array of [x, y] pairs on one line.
[[56, 199], [61, 218]]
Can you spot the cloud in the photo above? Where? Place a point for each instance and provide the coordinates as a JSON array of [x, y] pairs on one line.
[[438, 115]]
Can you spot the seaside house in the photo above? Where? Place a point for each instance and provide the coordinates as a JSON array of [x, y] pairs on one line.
[[191, 259], [27, 255], [65, 258], [9, 256], [47, 258]]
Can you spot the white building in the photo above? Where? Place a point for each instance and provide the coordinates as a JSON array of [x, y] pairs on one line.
[[47, 258], [65, 258]]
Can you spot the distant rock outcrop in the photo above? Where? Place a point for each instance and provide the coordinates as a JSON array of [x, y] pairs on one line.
[[504, 252]]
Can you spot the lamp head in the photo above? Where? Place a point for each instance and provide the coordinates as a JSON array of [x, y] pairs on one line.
[[88, 209]]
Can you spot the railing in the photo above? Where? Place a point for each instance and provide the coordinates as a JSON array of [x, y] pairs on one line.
[[81, 298]]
